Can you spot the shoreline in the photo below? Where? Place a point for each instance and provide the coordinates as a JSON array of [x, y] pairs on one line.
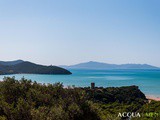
[[150, 97]]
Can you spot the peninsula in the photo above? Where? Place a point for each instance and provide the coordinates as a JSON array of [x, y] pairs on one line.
[[25, 67]]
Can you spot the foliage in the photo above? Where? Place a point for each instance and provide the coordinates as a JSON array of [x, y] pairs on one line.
[[29, 100]]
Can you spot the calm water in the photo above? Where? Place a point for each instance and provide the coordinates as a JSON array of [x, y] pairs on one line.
[[147, 80]]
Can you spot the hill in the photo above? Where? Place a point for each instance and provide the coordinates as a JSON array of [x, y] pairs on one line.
[[99, 65], [11, 62], [27, 100], [16, 67]]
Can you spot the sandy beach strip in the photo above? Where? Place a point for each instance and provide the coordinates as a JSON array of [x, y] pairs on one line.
[[153, 98]]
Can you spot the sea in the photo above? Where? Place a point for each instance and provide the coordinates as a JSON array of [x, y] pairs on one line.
[[147, 80]]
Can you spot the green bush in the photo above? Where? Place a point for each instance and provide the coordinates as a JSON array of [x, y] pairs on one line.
[[27, 100]]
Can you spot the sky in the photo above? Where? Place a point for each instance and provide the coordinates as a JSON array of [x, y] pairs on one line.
[[65, 32]]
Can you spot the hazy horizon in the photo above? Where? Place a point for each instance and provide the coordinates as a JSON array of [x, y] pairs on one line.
[[80, 63], [71, 32]]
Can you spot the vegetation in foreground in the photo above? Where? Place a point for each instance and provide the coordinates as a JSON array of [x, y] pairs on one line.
[[27, 100]]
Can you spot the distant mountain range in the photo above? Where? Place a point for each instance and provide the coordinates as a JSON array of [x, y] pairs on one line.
[[20, 66], [99, 65]]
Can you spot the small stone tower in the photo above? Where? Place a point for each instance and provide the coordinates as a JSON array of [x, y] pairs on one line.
[[92, 85]]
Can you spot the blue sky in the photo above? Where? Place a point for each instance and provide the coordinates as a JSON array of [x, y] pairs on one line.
[[62, 32]]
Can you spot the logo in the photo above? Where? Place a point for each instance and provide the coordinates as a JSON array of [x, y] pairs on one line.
[[152, 114], [129, 114]]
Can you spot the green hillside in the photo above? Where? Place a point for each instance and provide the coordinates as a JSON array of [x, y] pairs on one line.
[[31, 68], [27, 100]]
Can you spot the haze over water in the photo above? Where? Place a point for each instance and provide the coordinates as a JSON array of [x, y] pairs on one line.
[[147, 80]]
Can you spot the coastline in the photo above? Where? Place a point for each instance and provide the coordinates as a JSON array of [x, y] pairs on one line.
[[150, 97]]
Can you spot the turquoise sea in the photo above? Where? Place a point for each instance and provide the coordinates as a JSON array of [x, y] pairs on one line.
[[147, 80]]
